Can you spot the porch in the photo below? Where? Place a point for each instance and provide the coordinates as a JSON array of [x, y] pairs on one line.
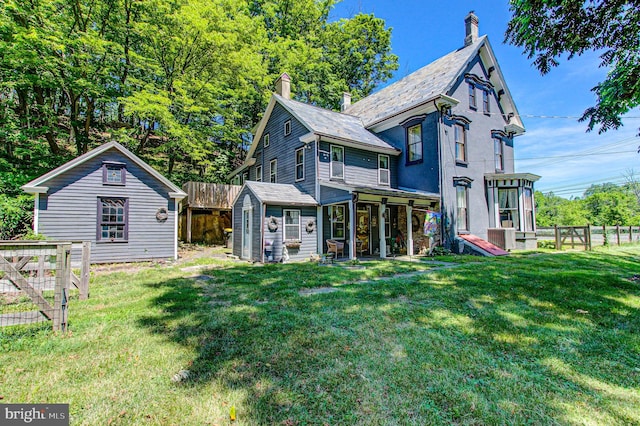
[[378, 223]]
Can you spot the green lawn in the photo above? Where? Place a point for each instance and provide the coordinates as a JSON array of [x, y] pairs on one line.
[[528, 339]]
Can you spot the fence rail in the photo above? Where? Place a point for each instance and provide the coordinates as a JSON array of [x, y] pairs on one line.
[[35, 277], [588, 236]]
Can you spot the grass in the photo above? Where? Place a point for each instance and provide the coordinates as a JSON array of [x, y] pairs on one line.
[[528, 339]]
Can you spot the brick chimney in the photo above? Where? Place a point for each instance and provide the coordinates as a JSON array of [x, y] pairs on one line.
[[346, 101], [471, 28], [283, 86]]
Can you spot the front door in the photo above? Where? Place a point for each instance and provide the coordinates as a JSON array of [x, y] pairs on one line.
[[363, 229], [246, 234]]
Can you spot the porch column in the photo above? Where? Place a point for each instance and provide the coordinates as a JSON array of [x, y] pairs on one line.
[[383, 241], [352, 227], [319, 229], [521, 226], [410, 228]]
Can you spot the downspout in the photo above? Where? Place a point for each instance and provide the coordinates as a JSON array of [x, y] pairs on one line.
[[440, 170], [36, 213], [263, 210]]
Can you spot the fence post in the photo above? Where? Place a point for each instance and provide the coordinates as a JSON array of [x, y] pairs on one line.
[[84, 270], [557, 234], [588, 237], [630, 234], [63, 277], [618, 233], [605, 240]]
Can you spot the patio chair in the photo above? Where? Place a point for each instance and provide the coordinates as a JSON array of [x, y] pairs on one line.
[[336, 247]]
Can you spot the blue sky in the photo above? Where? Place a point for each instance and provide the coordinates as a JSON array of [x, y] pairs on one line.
[[555, 147]]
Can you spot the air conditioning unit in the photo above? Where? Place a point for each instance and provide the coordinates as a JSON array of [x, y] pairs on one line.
[[505, 238]]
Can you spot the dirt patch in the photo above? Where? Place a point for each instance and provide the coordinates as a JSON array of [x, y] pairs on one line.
[[319, 290]]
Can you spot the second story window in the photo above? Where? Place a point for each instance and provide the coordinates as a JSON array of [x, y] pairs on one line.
[[114, 174], [265, 140], [300, 164], [414, 143], [460, 137], [287, 127], [472, 96], [273, 171], [384, 177], [498, 149], [259, 173], [337, 162], [485, 102]]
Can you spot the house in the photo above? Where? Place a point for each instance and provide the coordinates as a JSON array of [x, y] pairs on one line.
[[428, 159], [112, 198]]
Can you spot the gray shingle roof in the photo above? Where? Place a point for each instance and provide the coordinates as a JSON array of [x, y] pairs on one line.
[[333, 124], [422, 85], [281, 194]]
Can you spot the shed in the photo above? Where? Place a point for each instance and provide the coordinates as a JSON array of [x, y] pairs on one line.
[[112, 198], [277, 222]]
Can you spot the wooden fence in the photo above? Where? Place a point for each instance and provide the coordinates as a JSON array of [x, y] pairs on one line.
[[588, 236], [35, 277]]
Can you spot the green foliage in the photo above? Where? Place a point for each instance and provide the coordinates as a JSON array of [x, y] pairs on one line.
[[549, 29], [16, 215], [601, 204], [179, 83]]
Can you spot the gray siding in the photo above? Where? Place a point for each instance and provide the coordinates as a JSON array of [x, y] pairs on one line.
[[69, 211], [283, 149], [309, 239], [360, 166], [333, 195]]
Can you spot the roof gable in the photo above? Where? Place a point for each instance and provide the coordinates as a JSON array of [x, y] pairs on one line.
[[433, 81], [38, 185]]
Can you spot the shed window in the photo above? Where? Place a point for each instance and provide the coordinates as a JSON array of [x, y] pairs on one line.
[[113, 223], [291, 224], [114, 174]]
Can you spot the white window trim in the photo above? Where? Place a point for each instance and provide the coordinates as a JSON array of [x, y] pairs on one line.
[[286, 226], [295, 171], [287, 127], [333, 163], [498, 143], [259, 173], [273, 171], [265, 140], [419, 143], [343, 221], [381, 170], [466, 210]]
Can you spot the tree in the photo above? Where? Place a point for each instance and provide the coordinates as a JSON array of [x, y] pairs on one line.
[[549, 29]]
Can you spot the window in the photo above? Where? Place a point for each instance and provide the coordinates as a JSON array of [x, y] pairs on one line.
[[485, 101], [337, 162], [414, 143], [299, 164], [508, 205], [287, 127], [336, 216], [291, 224], [528, 210], [114, 174], [383, 170], [472, 96], [259, 173], [498, 149], [460, 137], [462, 198], [113, 219], [273, 171], [265, 140]]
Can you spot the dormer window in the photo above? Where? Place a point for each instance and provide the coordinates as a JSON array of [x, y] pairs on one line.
[[114, 173], [287, 127]]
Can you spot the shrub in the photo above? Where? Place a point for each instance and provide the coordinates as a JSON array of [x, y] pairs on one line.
[[16, 216]]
